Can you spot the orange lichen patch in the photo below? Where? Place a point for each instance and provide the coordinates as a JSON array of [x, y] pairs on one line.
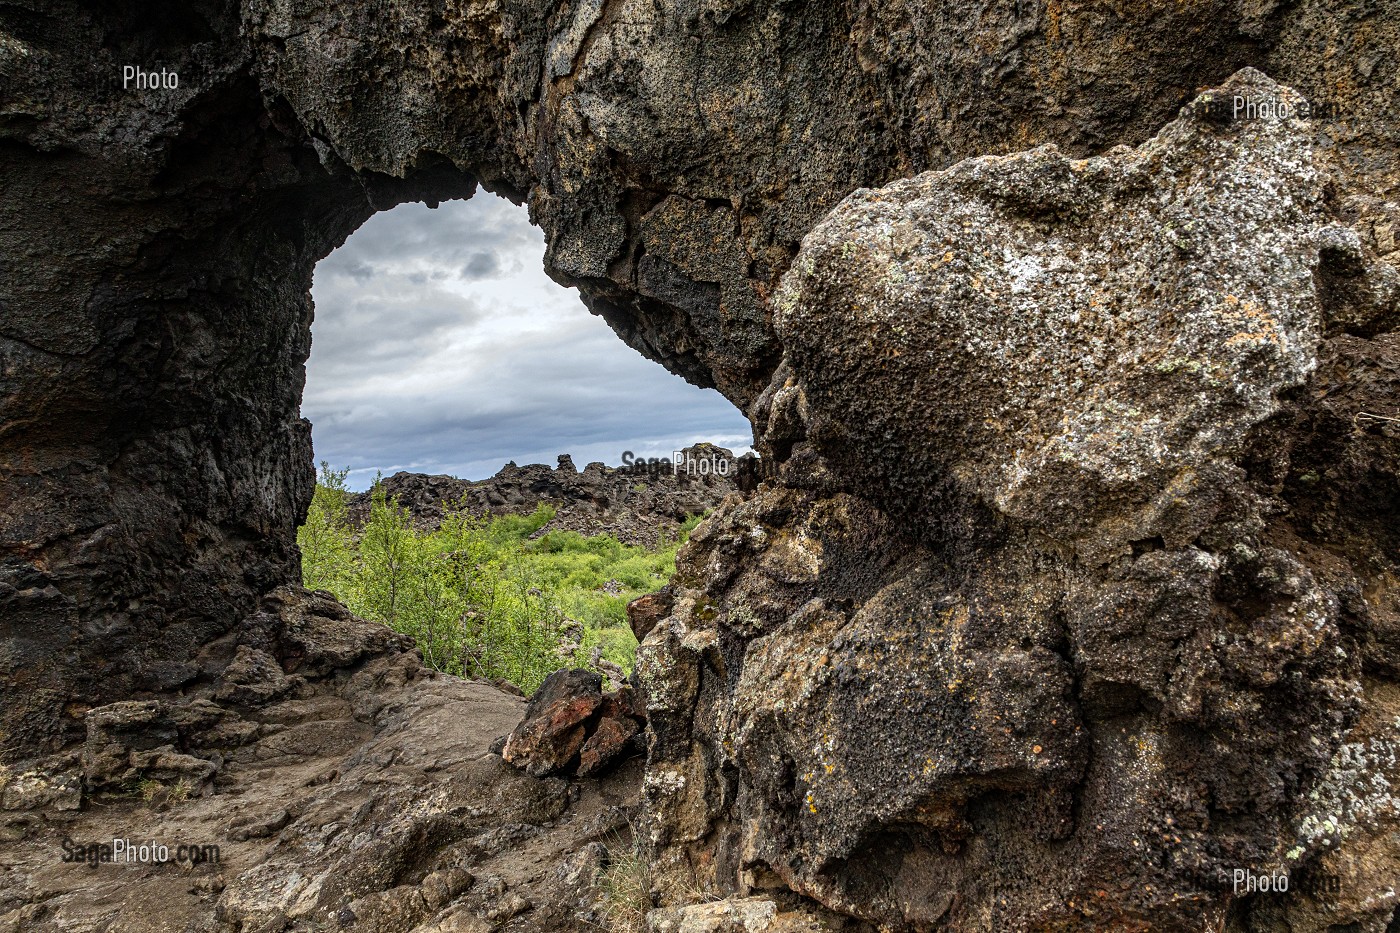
[[1259, 326], [956, 615]]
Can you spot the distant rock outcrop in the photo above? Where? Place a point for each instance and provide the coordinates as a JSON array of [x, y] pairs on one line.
[[637, 504]]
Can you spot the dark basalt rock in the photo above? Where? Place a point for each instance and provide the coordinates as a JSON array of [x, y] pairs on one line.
[[1054, 492], [637, 505]]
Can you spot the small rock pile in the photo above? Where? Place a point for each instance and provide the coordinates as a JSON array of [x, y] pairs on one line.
[[572, 727]]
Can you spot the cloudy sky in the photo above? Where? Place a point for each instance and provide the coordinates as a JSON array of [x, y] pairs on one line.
[[440, 346]]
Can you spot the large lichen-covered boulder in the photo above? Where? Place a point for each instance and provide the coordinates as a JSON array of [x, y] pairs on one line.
[[1024, 633], [1080, 345]]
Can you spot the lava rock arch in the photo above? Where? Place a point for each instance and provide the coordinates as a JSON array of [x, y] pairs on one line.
[[154, 321]]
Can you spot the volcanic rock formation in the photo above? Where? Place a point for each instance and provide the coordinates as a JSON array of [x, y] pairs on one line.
[[1071, 591], [1107, 664], [638, 504]]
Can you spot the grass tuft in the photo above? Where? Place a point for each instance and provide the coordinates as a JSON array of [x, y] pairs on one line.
[[180, 792], [156, 794], [150, 790], [626, 886]]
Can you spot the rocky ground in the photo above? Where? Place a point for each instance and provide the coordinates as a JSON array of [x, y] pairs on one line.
[[345, 786], [637, 506], [321, 778]]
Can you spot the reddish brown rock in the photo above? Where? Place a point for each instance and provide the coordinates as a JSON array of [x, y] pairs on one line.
[[553, 731], [571, 726], [645, 611], [625, 702], [609, 742], [621, 719]]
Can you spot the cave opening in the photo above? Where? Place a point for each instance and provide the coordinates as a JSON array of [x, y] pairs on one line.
[[489, 451], [440, 346]]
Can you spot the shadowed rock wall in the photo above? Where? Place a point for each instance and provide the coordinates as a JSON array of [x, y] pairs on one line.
[[158, 252], [959, 533]]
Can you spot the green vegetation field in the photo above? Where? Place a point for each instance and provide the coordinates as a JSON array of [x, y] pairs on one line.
[[481, 597]]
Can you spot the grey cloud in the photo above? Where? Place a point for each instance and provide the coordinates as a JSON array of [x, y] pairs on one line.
[[369, 333], [355, 269], [481, 265], [446, 236]]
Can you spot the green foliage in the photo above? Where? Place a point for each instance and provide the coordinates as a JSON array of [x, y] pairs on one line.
[[325, 539], [480, 596], [516, 528]]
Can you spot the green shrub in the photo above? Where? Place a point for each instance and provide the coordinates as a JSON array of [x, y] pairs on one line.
[[479, 596], [325, 538]]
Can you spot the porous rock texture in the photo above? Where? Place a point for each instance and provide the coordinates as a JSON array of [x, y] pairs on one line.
[[1072, 586], [1108, 664]]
